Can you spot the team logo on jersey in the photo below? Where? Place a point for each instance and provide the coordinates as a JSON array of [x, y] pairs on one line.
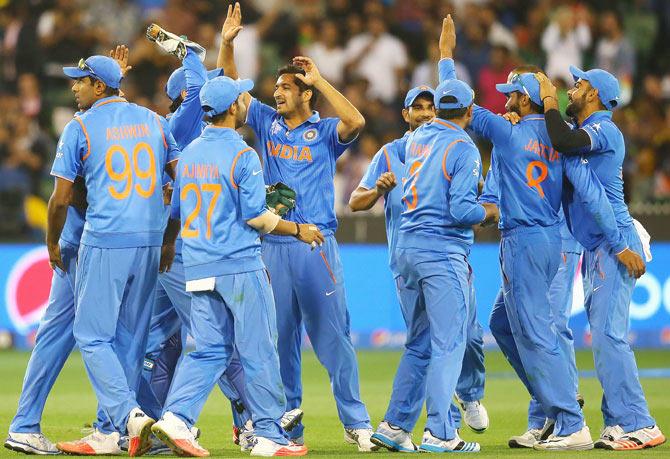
[[275, 127], [27, 288], [310, 134]]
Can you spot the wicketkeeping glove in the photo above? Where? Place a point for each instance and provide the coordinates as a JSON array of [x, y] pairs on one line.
[[279, 198]]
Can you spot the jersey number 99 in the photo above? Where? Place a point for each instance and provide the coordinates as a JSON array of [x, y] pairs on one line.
[[131, 171]]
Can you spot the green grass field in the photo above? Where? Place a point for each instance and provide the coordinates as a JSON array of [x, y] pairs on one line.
[[72, 404]]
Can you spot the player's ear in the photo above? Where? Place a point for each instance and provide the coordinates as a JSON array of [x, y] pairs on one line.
[[183, 94], [307, 95], [405, 115], [99, 87]]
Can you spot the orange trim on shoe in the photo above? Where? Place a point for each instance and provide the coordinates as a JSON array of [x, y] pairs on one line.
[[291, 451], [188, 449], [78, 448]]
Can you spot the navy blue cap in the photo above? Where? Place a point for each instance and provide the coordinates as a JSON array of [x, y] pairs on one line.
[[463, 94], [606, 84], [413, 93], [101, 68], [218, 94], [525, 83], [177, 81]]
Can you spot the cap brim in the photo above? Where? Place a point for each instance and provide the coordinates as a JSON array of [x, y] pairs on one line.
[[506, 88], [75, 72], [578, 73], [246, 85], [411, 101]]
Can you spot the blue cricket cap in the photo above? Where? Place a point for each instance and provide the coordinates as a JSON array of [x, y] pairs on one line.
[[460, 91], [525, 83], [101, 68], [606, 84], [413, 93], [218, 94], [177, 81]]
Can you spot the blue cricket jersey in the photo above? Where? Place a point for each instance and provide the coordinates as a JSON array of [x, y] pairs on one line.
[[303, 158], [605, 158], [219, 187], [121, 150], [388, 159], [442, 168]]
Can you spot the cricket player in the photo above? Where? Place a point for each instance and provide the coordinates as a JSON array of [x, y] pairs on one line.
[[530, 174], [597, 142], [299, 149], [121, 150], [54, 340], [219, 197], [381, 179], [173, 303], [443, 168]]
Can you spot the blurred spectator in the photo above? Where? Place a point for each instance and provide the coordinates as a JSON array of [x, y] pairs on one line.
[[615, 53], [502, 62], [426, 71], [565, 40], [327, 53]]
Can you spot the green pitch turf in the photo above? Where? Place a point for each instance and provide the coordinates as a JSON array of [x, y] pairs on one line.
[[72, 405]]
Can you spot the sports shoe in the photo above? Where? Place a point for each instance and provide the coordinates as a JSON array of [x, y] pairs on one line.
[[139, 432], [247, 437], [267, 448], [299, 441], [360, 437], [30, 443], [525, 440], [433, 444], [577, 441], [158, 448], [175, 433], [608, 435], [647, 437], [236, 434], [580, 400], [173, 44], [97, 443], [290, 419], [475, 415], [393, 438], [547, 429]]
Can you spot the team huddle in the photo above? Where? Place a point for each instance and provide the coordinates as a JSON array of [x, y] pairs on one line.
[[162, 227]]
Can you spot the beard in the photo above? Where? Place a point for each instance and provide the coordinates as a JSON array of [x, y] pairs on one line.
[[575, 107]]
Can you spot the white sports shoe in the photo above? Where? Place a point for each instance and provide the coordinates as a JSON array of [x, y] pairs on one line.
[[175, 433], [433, 444], [525, 440], [393, 438], [608, 435], [30, 443], [577, 441], [172, 43], [247, 437], [290, 419], [360, 437], [475, 416], [94, 444], [139, 432], [267, 448]]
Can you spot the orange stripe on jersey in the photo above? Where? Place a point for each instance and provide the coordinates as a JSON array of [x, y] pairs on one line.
[[444, 159], [88, 141], [120, 99], [330, 271], [232, 168], [443, 123], [388, 160], [160, 126]]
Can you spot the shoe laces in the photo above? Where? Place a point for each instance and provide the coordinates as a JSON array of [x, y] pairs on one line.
[[612, 433]]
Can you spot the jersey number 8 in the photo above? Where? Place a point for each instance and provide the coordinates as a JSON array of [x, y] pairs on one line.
[[126, 174]]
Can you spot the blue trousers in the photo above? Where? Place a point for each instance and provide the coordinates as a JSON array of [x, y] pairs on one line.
[[53, 344], [239, 313], [172, 309], [530, 257], [308, 287], [560, 300], [115, 296], [436, 301], [608, 291]]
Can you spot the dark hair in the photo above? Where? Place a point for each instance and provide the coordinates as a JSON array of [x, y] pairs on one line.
[[216, 118], [109, 91], [451, 113], [527, 68], [291, 69], [176, 103]]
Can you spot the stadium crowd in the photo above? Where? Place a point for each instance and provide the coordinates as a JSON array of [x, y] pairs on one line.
[[372, 50]]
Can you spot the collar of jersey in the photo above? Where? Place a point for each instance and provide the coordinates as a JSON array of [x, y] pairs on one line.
[[220, 132], [533, 117], [446, 124], [108, 100], [314, 118], [600, 114]]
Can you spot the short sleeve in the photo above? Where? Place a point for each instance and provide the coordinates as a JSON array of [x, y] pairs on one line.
[[378, 165], [598, 135], [175, 203], [247, 177], [173, 151], [72, 150], [463, 169], [259, 116], [328, 129]]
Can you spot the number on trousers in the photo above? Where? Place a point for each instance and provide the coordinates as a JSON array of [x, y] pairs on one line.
[[215, 188], [126, 175]]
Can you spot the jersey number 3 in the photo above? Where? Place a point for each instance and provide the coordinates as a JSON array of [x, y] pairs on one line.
[[214, 188]]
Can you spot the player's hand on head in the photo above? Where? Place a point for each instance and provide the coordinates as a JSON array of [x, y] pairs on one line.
[[310, 234], [121, 54], [512, 117], [386, 182], [167, 257], [547, 88], [233, 23], [447, 42], [633, 262], [312, 74], [55, 259]]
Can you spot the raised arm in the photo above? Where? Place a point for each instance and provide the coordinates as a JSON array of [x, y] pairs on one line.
[[351, 121], [229, 31]]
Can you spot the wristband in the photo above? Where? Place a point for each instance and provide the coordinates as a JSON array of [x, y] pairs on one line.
[[297, 230]]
